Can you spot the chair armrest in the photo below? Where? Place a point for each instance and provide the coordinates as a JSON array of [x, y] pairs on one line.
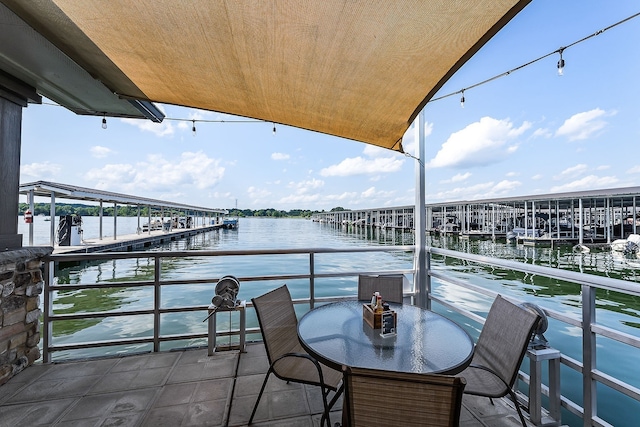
[[304, 356]]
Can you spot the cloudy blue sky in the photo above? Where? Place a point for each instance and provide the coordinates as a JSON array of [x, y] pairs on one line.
[[530, 132]]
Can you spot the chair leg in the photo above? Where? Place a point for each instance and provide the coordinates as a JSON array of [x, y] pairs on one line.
[[264, 384], [327, 407], [515, 402], [325, 414]]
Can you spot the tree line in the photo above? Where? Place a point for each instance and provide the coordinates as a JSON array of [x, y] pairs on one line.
[[88, 210]]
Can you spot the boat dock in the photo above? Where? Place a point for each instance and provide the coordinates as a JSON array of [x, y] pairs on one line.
[[166, 221], [592, 218], [134, 242]]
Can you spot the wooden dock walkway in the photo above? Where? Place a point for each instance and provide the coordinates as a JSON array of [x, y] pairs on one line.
[[133, 242]]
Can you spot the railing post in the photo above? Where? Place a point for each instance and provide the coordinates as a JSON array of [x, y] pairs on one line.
[[588, 353], [156, 302], [312, 284], [428, 279], [536, 357], [47, 333]]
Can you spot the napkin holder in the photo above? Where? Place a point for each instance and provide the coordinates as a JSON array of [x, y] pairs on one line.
[[373, 319]]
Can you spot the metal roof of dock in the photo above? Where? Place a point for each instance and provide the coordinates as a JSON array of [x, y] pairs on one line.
[[590, 198], [74, 192]]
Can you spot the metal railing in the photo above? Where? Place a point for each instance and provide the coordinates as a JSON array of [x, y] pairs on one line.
[[50, 317], [589, 284]]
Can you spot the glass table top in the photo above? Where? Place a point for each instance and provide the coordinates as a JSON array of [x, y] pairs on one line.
[[425, 342]]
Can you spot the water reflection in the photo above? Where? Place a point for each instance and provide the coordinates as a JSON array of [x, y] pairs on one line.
[[613, 308]]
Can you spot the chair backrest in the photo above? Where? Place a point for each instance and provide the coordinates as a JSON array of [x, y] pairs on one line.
[[389, 286], [504, 338], [383, 398], [278, 322]]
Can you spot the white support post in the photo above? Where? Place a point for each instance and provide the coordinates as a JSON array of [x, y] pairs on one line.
[[52, 214], [421, 279]]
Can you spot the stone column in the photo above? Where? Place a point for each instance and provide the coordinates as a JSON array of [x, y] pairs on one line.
[[21, 284]]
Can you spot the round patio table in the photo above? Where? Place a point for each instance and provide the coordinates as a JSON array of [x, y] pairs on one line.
[[426, 342]]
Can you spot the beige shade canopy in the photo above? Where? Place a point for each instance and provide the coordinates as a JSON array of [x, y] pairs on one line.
[[361, 70]]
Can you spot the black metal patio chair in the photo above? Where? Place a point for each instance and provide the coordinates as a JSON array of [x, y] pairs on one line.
[[287, 359], [499, 351]]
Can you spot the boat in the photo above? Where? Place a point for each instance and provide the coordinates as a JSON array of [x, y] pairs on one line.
[[156, 224], [230, 223], [630, 245], [519, 232], [583, 249]]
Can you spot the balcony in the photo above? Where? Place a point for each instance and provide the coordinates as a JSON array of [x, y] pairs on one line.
[[175, 382], [181, 388]]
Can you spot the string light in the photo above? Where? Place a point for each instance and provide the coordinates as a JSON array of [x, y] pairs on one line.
[[561, 63], [560, 67], [104, 121], [193, 128]]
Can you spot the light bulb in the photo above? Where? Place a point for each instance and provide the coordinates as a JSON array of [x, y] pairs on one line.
[[193, 129], [462, 100], [561, 65], [104, 122], [274, 129]]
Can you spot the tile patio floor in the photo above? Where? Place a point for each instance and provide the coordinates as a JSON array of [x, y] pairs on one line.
[[180, 388]]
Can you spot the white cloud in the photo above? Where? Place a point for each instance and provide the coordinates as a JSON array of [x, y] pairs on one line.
[[583, 125], [481, 143], [537, 177], [484, 190], [304, 187], [279, 156], [572, 172], [347, 195], [635, 169], [504, 186], [590, 182], [603, 167], [369, 192], [158, 174], [375, 151], [219, 195], [299, 199], [303, 192], [361, 166], [99, 151], [159, 129], [542, 133], [44, 170], [457, 178], [258, 193]]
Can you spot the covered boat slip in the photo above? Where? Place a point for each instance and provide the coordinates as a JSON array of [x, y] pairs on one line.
[[605, 215], [197, 219]]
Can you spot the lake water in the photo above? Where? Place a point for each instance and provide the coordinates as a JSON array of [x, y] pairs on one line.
[[619, 311]]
